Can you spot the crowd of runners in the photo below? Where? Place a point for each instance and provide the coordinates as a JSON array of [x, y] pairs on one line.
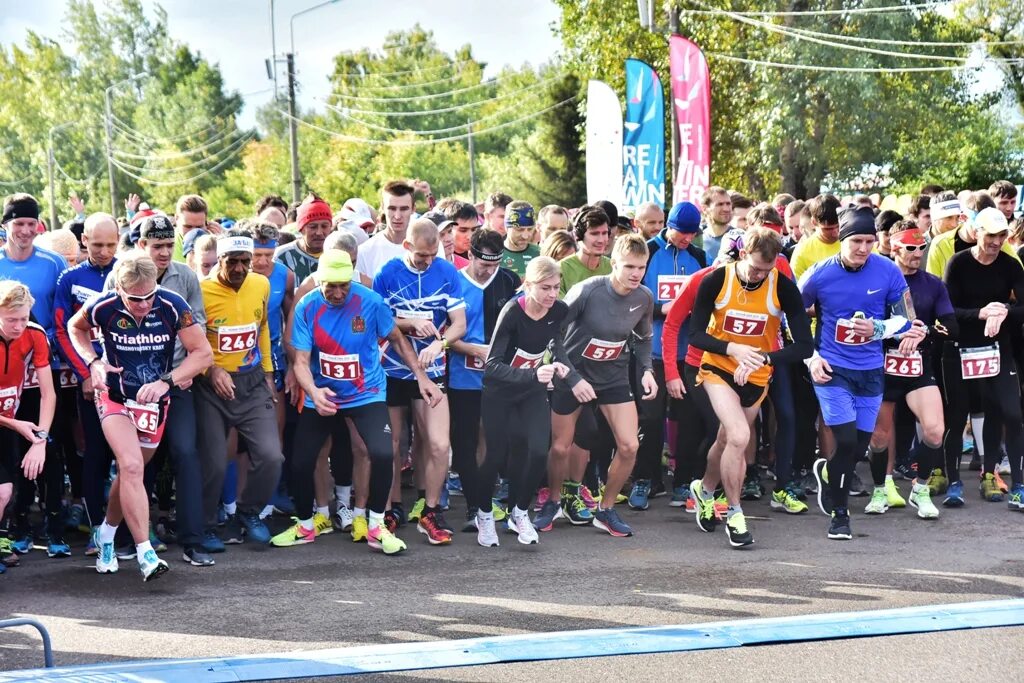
[[172, 378]]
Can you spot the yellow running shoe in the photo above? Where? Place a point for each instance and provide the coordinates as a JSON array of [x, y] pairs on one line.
[[619, 497], [322, 524], [892, 493], [359, 529], [294, 535], [417, 510], [379, 538]]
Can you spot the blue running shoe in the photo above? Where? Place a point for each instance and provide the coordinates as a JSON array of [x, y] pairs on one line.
[[680, 495], [22, 545], [56, 547], [255, 529], [212, 542], [1015, 501], [283, 505], [609, 520], [640, 495], [575, 510], [954, 495], [549, 512], [454, 484]]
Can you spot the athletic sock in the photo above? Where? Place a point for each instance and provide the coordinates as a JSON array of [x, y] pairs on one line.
[[376, 520], [107, 533], [306, 524], [733, 511], [570, 487], [359, 512], [231, 508], [142, 548], [323, 510]]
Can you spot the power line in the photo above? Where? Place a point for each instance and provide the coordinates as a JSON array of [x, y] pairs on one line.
[[908, 43], [370, 141], [843, 69], [172, 183], [406, 86], [399, 131], [426, 69], [417, 98], [183, 153], [74, 181], [240, 142], [16, 183], [829, 12]]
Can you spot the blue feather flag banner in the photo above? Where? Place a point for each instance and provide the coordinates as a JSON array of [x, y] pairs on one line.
[[643, 145]]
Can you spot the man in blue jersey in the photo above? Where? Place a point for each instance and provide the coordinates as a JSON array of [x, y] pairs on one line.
[[425, 297], [139, 323], [853, 294], [673, 259], [335, 335], [486, 288]]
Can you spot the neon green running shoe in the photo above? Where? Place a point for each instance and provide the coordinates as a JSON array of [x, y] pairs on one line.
[[322, 524], [784, 500], [892, 495], [379, 538], [417, 510], [878, 503], [296, 534]]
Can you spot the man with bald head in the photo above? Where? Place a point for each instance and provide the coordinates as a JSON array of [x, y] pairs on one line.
[[650, 219], [425, 297]]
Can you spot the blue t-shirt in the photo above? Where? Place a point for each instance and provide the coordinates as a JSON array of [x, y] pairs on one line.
[[143, 349], [39, 272], [838, 293], [343, 343], [275, 312], [411, 294]]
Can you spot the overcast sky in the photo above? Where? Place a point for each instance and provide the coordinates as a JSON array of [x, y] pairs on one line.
[[236, 33]]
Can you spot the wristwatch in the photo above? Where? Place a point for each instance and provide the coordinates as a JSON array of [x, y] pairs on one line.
[[767, 359], [166, 377]]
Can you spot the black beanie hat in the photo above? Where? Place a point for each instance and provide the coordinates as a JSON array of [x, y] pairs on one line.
[[20, 206], [856, 220]]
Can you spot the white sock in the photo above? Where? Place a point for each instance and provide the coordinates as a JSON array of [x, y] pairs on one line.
[[376, 520], [107, 532], [307, 524], [231, 508], [344, 495], [324, 510], [141, 549], [359, 512]]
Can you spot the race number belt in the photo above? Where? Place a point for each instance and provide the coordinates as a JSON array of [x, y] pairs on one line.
[[601, 350], [530, 361], [845, 334], [670, 286], [979, 362], [346, 367], [903, 364], [145, 416], [236, 338], [745, 324], [9, 401]]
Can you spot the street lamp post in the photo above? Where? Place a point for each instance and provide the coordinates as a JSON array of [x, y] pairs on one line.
[[110, 138]]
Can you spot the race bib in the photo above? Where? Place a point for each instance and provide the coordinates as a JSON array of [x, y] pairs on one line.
[[601, 350], [475, 363], [9, 402], [903, 364], [236, 338], [31, 378], [845, 334], [979, 362], [404, 314], [67, 378], [346, 367], [670, 286], [745, 324], [530, 361], [145, 416]]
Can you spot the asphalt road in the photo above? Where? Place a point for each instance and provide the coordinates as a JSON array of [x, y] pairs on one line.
[[335, 593]]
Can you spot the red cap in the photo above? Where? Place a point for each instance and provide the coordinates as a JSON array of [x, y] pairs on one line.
[[312, 209]]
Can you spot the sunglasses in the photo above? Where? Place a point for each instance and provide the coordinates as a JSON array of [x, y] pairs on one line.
[[140, 298], [911, 248]]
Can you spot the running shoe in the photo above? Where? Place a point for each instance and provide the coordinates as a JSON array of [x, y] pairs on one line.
[[151, 566], [498, 510], [921, 500], [549, 512], [1015, 501], [680, 496], [255, 530], [1000, 484], [691, 505], [785, 499], [106, 560], [968, 445], [125, 552], [576, 510], [8, 557], [470, 524], [657, 488], [820, 470], [296, 534], [399, 513], [211, 542], [878, 504], [343, 518], [542, 497], [486, 534], [23, 545], [443, 501], [322, 524], [195, 556], [222, 514], [56, 547], [721, 505], [166, 531], [588, 497], [975, 464], [283, 505], [640, 494], [233, 534], [454, 485], [989, 489], [1004, 466], [751, 489], [417, 510], [359, 528], [808, 482], [609, 520], [443, 523], [937, 483], [707, 520], [379, 538], [839, 528], [436, 535], [524, 528], [905, 472], [736, 530], [857, 487], [892, 495], [502, 491], [619, 497], [75, 520], [954, 495], [154, 540]]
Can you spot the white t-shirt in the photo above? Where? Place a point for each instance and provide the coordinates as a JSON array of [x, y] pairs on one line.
[[378, 250]]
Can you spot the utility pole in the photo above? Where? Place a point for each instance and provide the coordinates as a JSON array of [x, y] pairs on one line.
[[670, 181], [472, 161], [293, 133]]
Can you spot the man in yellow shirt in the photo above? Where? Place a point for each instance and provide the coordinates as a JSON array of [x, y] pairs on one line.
[[824, 210], [238, 391]]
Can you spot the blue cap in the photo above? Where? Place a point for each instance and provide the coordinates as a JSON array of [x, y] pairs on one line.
[[684, 217], [189, 243]]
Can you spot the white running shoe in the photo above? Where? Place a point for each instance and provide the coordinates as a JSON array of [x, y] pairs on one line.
[[152, 566], [921, 498], [343, 518], [524, 528], [486, 534], [1004, 465], [106, 558]]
